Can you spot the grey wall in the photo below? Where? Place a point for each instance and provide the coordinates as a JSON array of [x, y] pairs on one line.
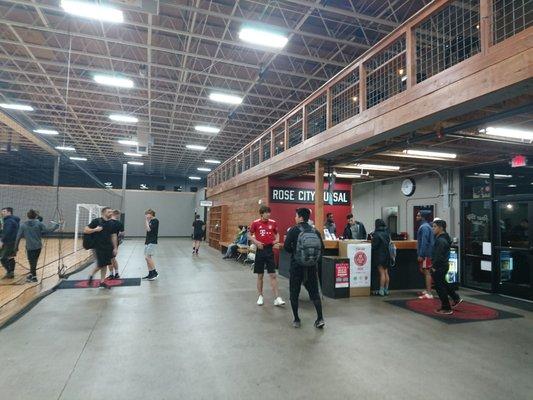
[[369, 198], [175, 210]]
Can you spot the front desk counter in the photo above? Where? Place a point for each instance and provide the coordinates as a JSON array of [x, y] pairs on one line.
[[404, 275]]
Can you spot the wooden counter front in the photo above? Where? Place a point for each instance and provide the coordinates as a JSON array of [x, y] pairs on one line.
[[400, 244]]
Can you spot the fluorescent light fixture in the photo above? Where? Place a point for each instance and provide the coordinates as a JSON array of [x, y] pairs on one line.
[[195, 147], [204, 169], [195, 178], [130, 154], [116, 81], [485, 175], [263, 37], [135, 163], [212, 161], [90, 10], [65, 148], [46, 131], [206, 129], [509, 133], [377, 167], [128, 142], [346, 176], [123, 118], [225, 98], [78, 158], [18, 107], [509, 206], [424, 153], [355, 98], [404, 78], [511, 186]]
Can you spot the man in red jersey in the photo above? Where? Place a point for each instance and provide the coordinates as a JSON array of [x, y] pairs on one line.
[[264, 234]]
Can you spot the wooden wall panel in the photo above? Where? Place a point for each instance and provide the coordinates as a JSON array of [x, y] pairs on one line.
[[243, 205]]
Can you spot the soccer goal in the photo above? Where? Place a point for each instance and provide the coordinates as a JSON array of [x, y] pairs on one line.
[[85, 213]]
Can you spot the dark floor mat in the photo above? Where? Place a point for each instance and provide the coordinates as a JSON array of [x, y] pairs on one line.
[[465, 312], [506, 301], [83, 284]]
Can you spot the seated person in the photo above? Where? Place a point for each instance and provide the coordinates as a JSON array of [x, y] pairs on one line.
[[240, 240]]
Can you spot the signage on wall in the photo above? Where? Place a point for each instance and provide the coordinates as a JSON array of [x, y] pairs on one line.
[[206, 203], [292, 195], [518, 161]]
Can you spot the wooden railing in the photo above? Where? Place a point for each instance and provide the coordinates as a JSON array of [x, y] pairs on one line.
[[441, 35]]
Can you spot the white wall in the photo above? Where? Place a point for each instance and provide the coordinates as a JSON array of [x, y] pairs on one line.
[[369, 198]]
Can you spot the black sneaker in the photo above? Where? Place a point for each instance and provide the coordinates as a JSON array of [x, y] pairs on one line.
[[29, 278], [296, 323], [154, 276], [456, 303], [104, 285], [110, 277], [150, 273], [117, 276], [90, 281], [319, 323], [444, 311]]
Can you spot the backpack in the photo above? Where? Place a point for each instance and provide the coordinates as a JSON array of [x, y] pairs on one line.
[[308, 248], [392, 253], [89, 240]]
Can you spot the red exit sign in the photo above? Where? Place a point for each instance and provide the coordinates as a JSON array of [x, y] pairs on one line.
[[518, 161]]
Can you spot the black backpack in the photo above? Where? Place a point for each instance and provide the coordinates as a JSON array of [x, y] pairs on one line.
[[89, 239], [308, 247]]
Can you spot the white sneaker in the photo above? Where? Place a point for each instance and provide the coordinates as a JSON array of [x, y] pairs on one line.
[[279, 302], [260, 300], [426, 296]]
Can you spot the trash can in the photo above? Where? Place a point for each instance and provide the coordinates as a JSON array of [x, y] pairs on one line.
[[335, 277]]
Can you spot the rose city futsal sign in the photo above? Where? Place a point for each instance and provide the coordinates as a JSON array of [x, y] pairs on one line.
[[294, 195]]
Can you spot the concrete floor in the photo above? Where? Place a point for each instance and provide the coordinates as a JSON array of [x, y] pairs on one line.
[[196, 333]]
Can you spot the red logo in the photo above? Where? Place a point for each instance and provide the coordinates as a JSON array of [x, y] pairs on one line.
[[360, 258]]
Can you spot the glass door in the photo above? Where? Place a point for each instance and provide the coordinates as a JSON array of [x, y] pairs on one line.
[[514, 249], [477, 244]]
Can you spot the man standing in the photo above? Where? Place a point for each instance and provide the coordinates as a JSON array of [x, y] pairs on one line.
[[330, 224], [105, 244], [441, 265], [264, 234], [354, 229], [425, 241], [10, 227], [198, 233], [118, 229], [152, 230], [306, 248]]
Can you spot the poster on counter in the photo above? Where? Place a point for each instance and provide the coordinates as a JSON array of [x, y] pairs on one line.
[[360, 257], [342, 275], [451, 276]]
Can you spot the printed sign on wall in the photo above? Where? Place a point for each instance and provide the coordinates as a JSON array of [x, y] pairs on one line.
[[360, 257], [307, 196]]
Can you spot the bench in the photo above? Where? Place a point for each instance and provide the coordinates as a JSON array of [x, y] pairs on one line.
[[224, 246]]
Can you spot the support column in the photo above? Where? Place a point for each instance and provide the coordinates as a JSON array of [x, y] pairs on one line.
[[485, 25], [124, 174], [319, 196], [56, 171]]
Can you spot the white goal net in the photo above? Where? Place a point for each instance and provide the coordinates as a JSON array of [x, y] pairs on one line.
[[85, 213]]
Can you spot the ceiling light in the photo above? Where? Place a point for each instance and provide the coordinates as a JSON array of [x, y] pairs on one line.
[[110, 80], [511, 186], [355, 98], [424, 153], [346, 176], [65, 148], [135, 163], [128, 142], [46, 131], [204, 169], [195, 147], [92, 11], [206, 129], [212, 161], [401, 71], [123, 118], [509, 206], [263, 38], [485, 175], [18, 107], [129, 154], [78, 158], [195, 178], [377, 167], [509, 133], [225, 98], [404, 78]]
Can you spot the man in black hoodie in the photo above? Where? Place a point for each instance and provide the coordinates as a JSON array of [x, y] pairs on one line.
[[439, 258], [10, 228]]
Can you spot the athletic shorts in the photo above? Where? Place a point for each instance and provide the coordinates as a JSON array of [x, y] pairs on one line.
[[103, 256], [198, 236], [149, 249], [264, 259], [425, 264]]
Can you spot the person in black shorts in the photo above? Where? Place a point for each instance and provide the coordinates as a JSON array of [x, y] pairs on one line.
[[150, 244], [119, 230], [106, 244], [198, 233]]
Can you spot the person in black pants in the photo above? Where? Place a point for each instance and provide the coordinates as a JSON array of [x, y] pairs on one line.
[[198, 234], [302, 274], [8, 238], [439, 270]]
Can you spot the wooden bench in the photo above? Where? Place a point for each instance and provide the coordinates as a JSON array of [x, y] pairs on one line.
[[224, 246]]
